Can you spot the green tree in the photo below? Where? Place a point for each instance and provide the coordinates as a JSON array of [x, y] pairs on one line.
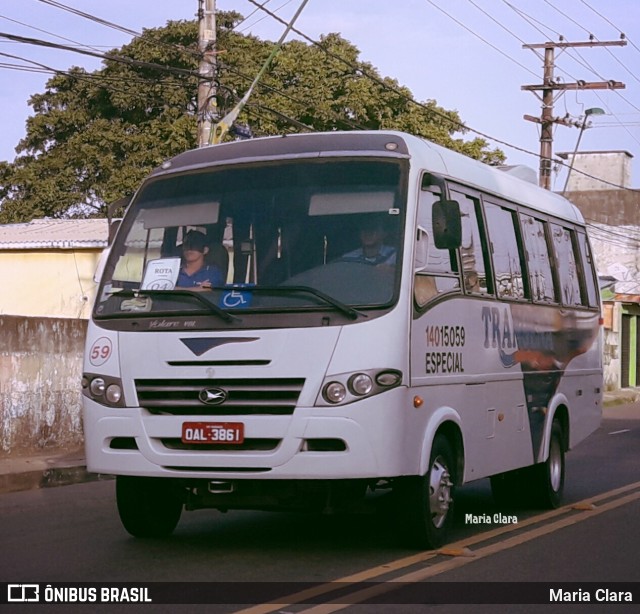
[[94, 136]]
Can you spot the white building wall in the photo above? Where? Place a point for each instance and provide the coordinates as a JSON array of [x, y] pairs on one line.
[[48, 283], [617, 255], [614, 167]]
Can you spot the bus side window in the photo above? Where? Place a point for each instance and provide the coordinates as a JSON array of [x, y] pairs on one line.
[[564, 247], [538, 260], [588, 269], [507, 263], [473, 253], [440, 275]]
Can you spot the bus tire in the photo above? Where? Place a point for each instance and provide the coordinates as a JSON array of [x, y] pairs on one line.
[[428, 499], [548, 477], [148, 507]]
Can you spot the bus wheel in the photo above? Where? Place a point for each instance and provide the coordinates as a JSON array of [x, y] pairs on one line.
[[548, 477], [148, 507], [429, 498]]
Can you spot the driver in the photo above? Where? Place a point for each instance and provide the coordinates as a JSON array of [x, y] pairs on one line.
[[194, 273], [372, 248]]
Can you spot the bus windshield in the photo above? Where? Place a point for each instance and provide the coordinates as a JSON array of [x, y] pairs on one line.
[[276, 236]]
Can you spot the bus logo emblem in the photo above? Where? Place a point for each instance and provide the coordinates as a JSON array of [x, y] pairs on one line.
[[213, 396]]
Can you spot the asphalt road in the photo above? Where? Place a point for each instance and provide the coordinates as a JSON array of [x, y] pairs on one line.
[[73, 534]]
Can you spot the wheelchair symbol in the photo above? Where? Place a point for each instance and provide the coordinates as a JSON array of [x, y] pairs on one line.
[[235, 299]]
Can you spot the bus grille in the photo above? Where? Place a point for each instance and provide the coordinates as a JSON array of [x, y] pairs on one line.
[[244, 396], [251, 445]]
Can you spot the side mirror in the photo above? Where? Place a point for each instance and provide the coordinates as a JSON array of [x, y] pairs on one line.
[[421, 257], [447, 224]]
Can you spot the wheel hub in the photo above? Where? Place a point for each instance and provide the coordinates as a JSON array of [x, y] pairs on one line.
[[439, 492], [555, 466]]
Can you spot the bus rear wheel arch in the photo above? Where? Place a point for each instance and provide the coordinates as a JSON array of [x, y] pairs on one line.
[[540, 485], [548, 477]]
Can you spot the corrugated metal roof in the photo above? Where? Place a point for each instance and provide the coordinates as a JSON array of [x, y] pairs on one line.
[[55, 234]]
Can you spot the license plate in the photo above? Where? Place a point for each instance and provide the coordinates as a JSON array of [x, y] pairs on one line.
[[213, 432]]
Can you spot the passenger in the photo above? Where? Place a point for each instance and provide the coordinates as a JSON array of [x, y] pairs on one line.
[[373, 249], [194, 273]]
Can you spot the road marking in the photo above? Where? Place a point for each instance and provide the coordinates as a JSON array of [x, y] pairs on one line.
[[434, 570], [421, 574], [618, 432]]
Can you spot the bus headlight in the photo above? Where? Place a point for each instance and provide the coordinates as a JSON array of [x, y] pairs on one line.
[[347, 388], [360, 384], [113, 394], [103, 389], [97, 387], [334, 392]]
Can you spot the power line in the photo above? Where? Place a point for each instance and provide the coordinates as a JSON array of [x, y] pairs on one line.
[[270, 88], [102, 56], [22, 68], [595, 38], [397, 91], [251, 25], [120, 28], [103, 22], [249, 16], [282, 116], [506, 55], [253, 110], [530, 19], [362, 71], [611, 24], [571, 19], [69, 40], [604, 233], [579, 59], [129, 61], [590, 67], [359, 70], [490, 16], [548, 86], [224, 124], [86, 76]]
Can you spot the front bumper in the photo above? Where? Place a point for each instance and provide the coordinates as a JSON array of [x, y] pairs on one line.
[[360, 440]]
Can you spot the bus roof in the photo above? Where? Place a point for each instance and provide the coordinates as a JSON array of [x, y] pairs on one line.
[[501, 182], [422, 153]]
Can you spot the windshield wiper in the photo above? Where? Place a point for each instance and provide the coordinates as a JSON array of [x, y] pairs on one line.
[[348, 311], [211, 307]]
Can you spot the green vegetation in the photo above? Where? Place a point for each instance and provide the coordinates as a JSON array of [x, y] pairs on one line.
[[94, 136]]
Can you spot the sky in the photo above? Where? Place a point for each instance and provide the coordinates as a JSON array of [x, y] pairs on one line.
[[467, 55]]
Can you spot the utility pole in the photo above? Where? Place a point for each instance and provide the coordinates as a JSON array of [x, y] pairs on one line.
[[207, 91], [548, 87]]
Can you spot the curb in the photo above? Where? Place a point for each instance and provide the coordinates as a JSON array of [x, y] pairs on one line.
[[627, 398], [55, 476], [55, 468]]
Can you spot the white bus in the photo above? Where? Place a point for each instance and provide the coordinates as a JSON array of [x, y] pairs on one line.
[[385, 314]]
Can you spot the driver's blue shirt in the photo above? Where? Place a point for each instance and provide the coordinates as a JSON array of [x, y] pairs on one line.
[[386, 255], [206, 273]]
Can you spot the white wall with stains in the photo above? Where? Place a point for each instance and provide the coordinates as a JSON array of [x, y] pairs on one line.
[[40, 372]]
